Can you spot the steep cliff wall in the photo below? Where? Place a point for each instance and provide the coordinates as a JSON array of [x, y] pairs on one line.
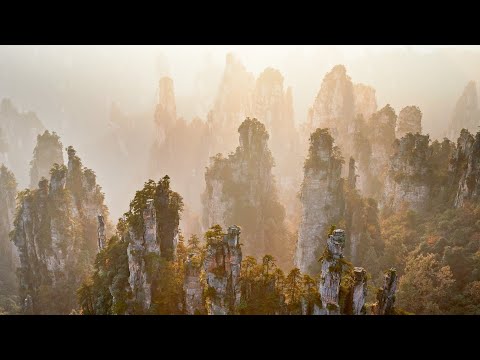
[[8, 253], [47, 152], [241, 189], [222, 265], [465, 169], [322, 199]]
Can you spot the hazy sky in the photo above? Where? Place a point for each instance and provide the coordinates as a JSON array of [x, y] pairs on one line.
[[71, 88]]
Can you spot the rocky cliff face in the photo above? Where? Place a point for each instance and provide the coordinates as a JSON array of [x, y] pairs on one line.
[[359, 291], [193, 286], [152, 234], [419, 175], [19, 131], [409, 121], [55, 232], [365, 101], [334, 108], [386, 294], [47, 152], [8, 253], [408, 177], [466, 114], [240, 189], [331, 273], [465, 168], [321, 196], [222, 265], [373, 144]]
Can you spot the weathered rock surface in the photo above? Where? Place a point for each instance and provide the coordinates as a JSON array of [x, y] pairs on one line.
[[331, 272], [222, 265], [465, 168], [359, 293], [193, 286], [408, 178], [321, 196], [386, 294]]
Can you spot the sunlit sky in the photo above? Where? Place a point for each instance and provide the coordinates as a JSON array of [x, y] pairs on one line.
[[71, 88]]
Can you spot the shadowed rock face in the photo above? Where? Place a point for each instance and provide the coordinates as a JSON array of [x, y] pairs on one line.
[[466, 114], [386, 294], [409, 121], [222, 266], [193, 287], [321, 196], [465, 168], [359, 293], [331, 273], [408, 178]]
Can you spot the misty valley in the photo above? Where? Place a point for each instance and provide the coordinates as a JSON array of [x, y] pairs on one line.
[[355, 210]]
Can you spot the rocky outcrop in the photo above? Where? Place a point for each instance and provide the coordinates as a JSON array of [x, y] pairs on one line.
[[334, 108], [321, 196], [143, 248], [102, 239], [241, 189], [408, 180], [19, 131], [55, 232], [409, 121], [359, 293], [465, 169], [331, 272], [222, 265], [365, 101], [47, 152], [193, 286], [152, 234], [466, 114], [373, 146], [386, 294]]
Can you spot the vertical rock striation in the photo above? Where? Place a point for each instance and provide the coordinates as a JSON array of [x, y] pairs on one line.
[[386, 294], [365, 101], [222, 265], [331, 272], [322, 198]]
